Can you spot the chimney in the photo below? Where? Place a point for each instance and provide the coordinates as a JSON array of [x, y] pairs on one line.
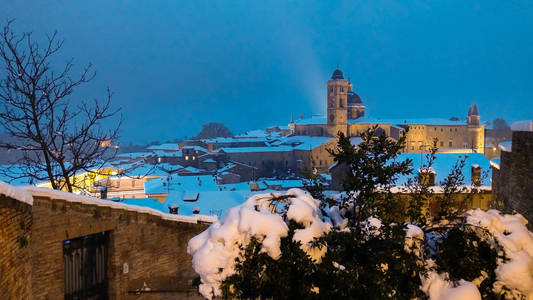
[[173, 209], [426, 177], [476, 175], [103, 192]]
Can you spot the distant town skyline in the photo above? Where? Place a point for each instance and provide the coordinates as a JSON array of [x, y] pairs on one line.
[[177, 65]]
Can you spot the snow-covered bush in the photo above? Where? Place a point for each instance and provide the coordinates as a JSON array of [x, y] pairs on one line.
[[289, 246]]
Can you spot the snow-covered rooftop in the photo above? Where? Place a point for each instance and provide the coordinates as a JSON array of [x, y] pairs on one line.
[[406, 121], [314, 120], [135, 155], [526, 125], [256, 149], [443, 164], [506, 146], [165, 147], [304, 142], [60, 195]]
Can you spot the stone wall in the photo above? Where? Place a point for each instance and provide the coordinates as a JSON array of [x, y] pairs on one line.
[[15, 267], [514, 180], [144, 250]]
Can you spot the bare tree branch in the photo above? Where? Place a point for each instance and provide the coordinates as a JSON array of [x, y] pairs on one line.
[[57, 138]]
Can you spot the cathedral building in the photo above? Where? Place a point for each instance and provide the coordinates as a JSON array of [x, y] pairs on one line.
[[346, 113]]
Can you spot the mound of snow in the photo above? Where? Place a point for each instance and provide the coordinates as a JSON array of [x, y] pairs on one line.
[[517, 241], [438, 288], [214, 250]]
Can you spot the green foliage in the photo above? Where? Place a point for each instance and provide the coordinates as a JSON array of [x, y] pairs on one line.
[[315, 185], [464, 255], [454, 198], [375, 267], [372, 170], [419, 192], [259, 276]]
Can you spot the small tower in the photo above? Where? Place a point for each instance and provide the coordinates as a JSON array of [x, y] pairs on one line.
[[337, 103], [476, 132], [473, 115]]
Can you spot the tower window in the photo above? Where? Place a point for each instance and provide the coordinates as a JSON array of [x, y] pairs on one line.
[[442, 144], [450, 143], [342, 89]]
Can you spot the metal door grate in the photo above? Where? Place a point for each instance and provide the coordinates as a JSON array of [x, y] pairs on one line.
[[85, 261]]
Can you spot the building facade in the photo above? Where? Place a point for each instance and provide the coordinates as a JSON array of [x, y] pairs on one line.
[[346, 114]]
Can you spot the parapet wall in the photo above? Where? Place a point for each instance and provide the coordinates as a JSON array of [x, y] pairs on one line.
[[147, 257]]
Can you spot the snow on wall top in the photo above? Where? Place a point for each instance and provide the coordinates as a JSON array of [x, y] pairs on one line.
[[60, 195], [15, 193], [526, 125], [506, 146]]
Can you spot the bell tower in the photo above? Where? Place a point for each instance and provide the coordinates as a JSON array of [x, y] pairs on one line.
[[337, 104]]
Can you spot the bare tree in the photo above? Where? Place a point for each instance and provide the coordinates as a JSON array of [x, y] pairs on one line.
[[59, 136]]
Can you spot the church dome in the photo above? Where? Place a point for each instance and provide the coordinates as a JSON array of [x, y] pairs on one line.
[[354, 99], [337, 74]]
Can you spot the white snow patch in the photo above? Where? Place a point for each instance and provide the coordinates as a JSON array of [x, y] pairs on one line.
[[438, 288], [15, 193]]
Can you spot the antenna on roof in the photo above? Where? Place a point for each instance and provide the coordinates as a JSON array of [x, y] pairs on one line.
[[292, 119], [302, 115]]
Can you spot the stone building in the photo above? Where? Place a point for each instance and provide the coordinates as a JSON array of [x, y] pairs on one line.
[[346, 114]]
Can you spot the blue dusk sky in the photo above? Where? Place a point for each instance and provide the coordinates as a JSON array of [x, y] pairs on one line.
[[175, 65]]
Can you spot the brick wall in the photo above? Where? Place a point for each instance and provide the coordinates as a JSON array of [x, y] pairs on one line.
[[153, 248], [15, 267]]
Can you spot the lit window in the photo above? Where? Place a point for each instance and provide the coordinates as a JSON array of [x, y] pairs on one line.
[[186, 157], [194, 157]]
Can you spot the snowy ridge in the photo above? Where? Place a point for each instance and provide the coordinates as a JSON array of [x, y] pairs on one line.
[[15, 193], [54, 194]]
